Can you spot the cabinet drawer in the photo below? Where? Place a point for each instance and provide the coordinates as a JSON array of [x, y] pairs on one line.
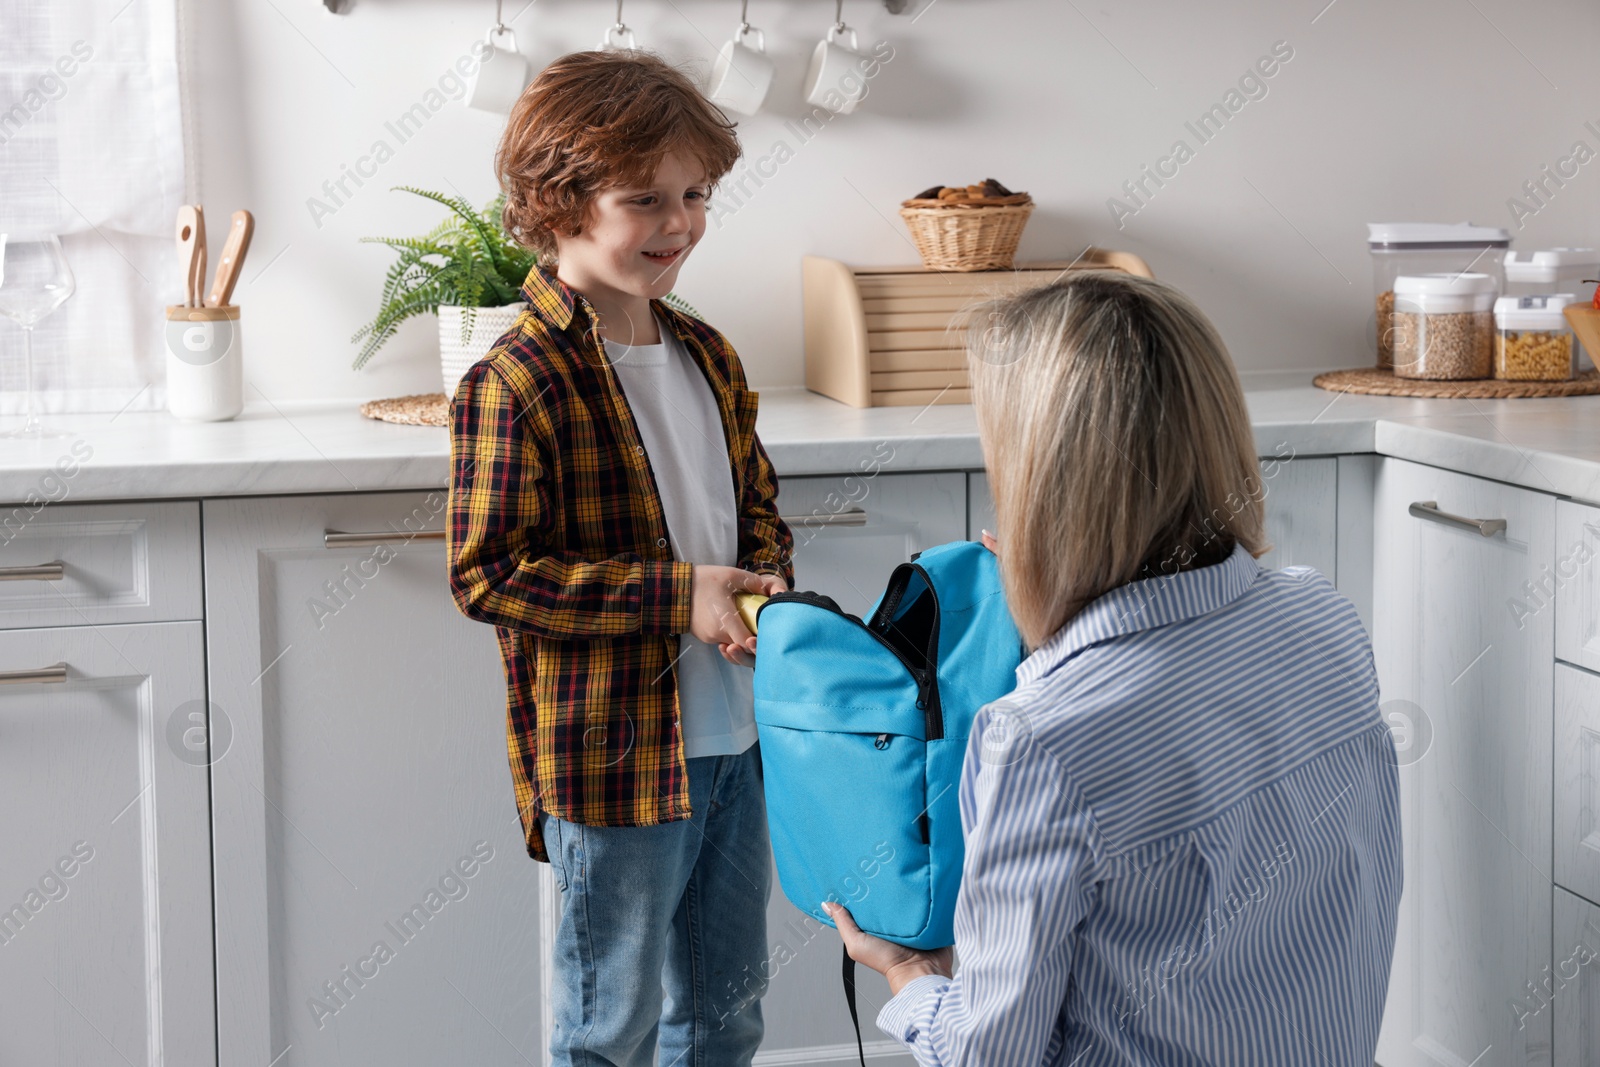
[[851, 531], [1577, 781], [1572, 584], [1573, 983], [91, 564]]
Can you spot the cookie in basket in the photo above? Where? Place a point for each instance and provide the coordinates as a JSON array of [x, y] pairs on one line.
[[988, 193]]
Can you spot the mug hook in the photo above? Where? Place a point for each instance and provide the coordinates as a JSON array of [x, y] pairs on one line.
[[499, 23], [620, 31], [744, 15], [838, 16]]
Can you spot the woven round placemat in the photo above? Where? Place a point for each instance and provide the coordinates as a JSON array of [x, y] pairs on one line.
[[418, 409], [1381, 381]]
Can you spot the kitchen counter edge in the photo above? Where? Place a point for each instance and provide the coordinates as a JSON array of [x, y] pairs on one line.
[[1551, 445]]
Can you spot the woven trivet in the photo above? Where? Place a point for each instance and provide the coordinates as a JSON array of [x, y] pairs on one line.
[[1380, 381], [418, 409]]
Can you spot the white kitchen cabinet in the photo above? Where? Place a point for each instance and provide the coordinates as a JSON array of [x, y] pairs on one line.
[[1573, 583], [105, 918], [1468, 688], [850, 531], [1577, 781], [1357, 476], [1302, 513], [1301, 501], [375, 902], [1573, 983], [886, 519]]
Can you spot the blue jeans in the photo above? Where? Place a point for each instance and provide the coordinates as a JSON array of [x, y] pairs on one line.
[[663, 932]]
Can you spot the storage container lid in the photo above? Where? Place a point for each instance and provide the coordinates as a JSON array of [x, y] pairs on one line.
[[1400, 236], [1544, 265], [1433, 293], [1532, 312]]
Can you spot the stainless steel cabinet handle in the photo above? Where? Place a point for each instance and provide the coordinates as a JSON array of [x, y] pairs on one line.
[[339, 539], [847, 517], [53, 571], [1429, 509], [56, 673]]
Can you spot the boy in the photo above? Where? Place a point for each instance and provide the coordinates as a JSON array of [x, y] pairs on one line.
[[608, 497]]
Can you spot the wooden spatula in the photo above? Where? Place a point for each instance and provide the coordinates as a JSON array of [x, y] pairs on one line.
[[1585, 322], [232, 260], [188, 229]]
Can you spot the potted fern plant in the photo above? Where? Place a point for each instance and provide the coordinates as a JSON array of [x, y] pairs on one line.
[[468, 270]]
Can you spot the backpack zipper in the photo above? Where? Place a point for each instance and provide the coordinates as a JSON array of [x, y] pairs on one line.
[[927, 693]]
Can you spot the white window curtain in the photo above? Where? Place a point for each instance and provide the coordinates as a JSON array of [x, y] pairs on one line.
[[92, 149]]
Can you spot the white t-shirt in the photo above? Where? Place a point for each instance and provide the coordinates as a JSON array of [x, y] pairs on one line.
[[681, 427]]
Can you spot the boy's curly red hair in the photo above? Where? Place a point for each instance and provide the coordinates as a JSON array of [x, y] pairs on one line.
[[594, 120]]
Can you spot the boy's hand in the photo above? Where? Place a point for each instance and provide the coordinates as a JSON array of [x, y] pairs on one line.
[[714, 617], [737, 656]]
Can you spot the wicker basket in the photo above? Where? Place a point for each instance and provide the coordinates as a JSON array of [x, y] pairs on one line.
[[967, 236]]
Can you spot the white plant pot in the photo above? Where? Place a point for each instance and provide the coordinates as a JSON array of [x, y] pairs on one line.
[[487, 325]]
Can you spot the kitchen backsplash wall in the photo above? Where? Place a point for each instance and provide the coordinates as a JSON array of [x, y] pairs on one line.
[[1240, 148]]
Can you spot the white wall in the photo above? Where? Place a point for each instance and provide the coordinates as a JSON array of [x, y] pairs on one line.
[[1432, 110]]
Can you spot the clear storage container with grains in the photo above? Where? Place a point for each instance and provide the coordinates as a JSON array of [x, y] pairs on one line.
[[1412, 248], [1443, 325], [1532, 340]]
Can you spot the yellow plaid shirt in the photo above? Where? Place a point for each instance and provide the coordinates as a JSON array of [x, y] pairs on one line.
[[557, 537]]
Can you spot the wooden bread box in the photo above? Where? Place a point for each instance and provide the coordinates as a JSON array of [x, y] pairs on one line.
[[883, 336]]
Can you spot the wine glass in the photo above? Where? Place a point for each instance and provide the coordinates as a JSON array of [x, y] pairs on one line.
[[34, 281]]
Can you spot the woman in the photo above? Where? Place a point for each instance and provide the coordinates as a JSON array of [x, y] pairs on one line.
[[1182, 828]]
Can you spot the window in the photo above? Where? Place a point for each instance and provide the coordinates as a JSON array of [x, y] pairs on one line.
[[92, 149]]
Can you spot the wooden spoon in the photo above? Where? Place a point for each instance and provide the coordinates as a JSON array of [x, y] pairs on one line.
[[232, 260], [187, 231], [197, 285]]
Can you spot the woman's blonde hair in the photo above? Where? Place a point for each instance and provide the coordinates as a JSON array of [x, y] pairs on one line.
[[1116, 438]]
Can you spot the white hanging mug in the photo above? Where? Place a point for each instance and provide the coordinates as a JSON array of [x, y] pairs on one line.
[[834, 70], [742, 75], [618, 38], [501, 76]]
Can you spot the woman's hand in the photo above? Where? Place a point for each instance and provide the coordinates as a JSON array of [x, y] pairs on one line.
[[895, 962], [743, 655]]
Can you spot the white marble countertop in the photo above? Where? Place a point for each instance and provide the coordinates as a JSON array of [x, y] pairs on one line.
[[1549, 445]]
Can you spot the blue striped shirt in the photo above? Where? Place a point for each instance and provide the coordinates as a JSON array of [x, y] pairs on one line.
[[1182, 839]]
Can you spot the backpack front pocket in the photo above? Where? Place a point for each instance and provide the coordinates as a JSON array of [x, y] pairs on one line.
[[849, 836]]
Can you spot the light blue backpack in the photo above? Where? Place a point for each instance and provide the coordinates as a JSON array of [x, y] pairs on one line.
[[863, 727]]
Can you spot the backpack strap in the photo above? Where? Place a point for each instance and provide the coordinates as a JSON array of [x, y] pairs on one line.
[[850, 999]]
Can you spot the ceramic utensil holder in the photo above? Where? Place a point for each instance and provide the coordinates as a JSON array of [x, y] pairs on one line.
[[205, 363]]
